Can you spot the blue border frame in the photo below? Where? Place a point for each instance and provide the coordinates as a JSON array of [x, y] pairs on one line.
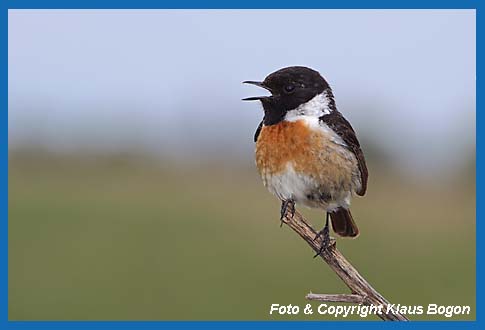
[[247, 4]]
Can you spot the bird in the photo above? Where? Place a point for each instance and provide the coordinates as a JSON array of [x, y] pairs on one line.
[[307, 153]]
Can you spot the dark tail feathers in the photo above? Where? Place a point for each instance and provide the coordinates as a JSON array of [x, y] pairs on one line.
[[343, 224]]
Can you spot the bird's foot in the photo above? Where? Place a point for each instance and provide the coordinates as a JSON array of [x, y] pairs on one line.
[[325, 234], [321, 233], [325, 245], [287, 205]]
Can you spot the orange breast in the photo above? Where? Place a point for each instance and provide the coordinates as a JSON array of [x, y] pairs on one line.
[[312, 152], [280, 143]]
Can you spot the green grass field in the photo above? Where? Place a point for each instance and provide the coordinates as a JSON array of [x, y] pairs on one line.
[[93, 238]]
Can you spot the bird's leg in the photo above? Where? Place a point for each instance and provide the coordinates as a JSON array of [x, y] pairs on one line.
[[287, 205], [324, 229], [325, 232]]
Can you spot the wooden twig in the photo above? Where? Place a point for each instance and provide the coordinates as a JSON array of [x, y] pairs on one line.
[[346, 298], [362, 291]]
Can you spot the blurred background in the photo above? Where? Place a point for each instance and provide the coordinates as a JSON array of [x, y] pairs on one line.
[[133, 193]]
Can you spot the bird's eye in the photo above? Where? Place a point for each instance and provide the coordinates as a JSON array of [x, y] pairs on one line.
[[289, 88]]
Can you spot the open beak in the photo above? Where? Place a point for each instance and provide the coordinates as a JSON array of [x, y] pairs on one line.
[[259, 84]]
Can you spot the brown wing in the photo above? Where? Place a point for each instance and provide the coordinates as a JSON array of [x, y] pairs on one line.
[[342, 127]]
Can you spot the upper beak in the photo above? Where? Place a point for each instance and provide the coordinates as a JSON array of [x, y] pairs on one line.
[[259, 84]]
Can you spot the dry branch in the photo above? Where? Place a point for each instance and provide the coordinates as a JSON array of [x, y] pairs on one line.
[[362, 291]]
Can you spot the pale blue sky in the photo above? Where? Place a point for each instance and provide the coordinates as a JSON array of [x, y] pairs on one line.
[[169, 81]]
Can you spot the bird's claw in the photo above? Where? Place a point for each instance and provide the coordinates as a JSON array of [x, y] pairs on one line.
[[287, 205], [324, 247], [325, 233]]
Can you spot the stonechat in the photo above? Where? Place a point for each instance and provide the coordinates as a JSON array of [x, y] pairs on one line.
[[306, 151]]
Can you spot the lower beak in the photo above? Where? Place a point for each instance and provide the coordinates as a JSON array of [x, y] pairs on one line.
[[259, 84], [254, 98]]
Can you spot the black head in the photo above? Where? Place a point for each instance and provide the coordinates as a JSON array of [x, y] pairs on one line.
[[289, 87]]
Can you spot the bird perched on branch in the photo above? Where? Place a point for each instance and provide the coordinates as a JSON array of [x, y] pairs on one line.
[[306, 151]]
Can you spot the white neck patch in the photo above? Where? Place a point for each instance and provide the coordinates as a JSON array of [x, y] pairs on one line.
[[316, 107]]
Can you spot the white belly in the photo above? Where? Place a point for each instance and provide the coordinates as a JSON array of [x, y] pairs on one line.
[[304, 190]]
